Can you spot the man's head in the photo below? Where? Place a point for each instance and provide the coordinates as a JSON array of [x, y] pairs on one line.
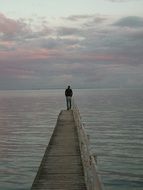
[[68, 86]]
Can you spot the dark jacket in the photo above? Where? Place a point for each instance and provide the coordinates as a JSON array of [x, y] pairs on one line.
[[68, 92]]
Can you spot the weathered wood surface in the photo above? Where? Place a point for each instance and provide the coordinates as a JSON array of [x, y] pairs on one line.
[[61, 167]]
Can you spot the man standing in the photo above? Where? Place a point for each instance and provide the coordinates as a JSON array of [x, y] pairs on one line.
[[68, 94]]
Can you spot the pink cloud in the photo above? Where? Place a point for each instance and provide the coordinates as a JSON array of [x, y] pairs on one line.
[[7, 44], [21, 54], [9, 26], [16, 71]]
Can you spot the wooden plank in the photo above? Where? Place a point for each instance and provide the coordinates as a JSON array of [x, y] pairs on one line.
[[61, 167]]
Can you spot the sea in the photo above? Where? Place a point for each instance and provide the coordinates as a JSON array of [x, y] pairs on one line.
[[113, 119]]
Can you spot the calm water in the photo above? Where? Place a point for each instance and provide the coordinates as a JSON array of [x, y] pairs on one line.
[[113, 119]]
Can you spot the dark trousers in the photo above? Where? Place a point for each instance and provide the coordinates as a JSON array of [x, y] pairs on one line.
[[68, 100]]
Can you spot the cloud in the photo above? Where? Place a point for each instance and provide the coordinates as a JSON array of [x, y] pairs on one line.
[[68, 31], [96, 20], [78, 17], [10, 26], [131, 21], [85, 50]]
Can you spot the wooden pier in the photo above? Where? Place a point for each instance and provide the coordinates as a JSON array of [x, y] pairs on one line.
[[62, 167]]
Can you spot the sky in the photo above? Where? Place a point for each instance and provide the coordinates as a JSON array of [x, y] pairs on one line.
[[82, 43]]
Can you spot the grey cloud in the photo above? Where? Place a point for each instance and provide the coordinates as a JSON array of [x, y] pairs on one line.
[[21, 30], [95, 20], [131, 21], [87, 20], [54, 43], [101, 40], [99, 19], [67, 31], [90, 56], [78, 17]]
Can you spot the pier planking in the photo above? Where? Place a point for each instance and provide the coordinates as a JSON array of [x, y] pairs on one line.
[[61, 167]]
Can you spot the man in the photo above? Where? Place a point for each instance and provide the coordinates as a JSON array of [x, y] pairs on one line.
[[68, 94]]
